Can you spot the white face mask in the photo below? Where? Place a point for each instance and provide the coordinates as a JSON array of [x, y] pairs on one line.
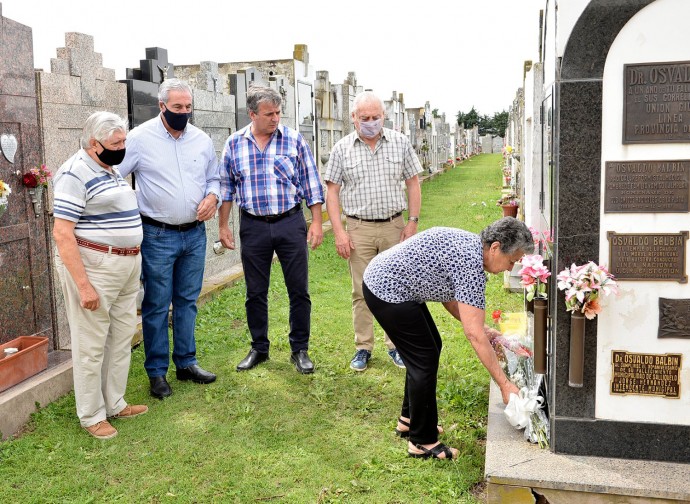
[[369, 129]]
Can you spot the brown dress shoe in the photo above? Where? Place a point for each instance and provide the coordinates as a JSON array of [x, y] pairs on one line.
[[102, 430], [130, 411]]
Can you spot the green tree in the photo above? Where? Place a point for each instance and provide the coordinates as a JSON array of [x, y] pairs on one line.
[[500, 121], [469, 119], [485, 125], [495, 125]]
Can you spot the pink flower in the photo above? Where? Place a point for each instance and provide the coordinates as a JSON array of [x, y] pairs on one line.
[[583, 285], [533, 276], [527, 278]]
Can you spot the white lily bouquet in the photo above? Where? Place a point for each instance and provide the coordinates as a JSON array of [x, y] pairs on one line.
[[527, 409]]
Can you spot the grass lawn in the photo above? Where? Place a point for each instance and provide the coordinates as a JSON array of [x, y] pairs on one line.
[[271, 434]]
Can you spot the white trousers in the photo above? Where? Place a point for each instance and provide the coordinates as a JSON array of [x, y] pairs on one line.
[[101, 339]]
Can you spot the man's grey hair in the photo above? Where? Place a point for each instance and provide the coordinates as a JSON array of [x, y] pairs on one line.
[[257, 94], [101, 126], [512, 234], [366, 97], [172, 85]]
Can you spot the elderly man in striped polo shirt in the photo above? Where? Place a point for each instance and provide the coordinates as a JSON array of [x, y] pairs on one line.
[[365, 174], [97, 233]]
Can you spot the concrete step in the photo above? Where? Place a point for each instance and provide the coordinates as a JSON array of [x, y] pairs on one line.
[[518, 472]]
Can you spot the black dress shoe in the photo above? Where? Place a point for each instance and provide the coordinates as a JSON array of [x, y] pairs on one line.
[[196, 374], [160, 387], [303, 363], [253, 358]]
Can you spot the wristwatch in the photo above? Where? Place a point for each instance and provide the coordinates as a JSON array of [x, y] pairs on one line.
[[413, 219]]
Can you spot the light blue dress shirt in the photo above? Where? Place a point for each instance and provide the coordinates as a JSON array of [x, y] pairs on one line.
[[172, 175]]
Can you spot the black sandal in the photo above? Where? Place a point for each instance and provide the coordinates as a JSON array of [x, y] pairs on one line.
[[404, 434], [433, 452]]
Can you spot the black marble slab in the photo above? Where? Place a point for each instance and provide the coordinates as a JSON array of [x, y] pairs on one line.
[[606, 438]]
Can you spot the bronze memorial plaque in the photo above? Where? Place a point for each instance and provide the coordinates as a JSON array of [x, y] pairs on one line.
[[654, 256], [646, 374], [674, 318], [647, 186], [657, 102]]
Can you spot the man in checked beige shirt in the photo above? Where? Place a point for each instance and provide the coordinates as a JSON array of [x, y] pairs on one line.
[[365, 175]]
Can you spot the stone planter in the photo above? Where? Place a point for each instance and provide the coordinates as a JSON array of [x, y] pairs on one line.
[[32, 358]]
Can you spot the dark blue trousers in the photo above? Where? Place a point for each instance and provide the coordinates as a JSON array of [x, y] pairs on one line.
[[288, 239]]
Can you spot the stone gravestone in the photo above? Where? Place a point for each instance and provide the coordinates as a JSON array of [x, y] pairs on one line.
[[329, 113], [287, 92], [76, 87], [25, 281], [142, 85], [214, 109], [239, 84], [238, 88], [214, 112], [625, 206]]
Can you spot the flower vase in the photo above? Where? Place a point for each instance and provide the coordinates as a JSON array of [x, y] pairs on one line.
[[540, 316], [36, 198], [3, 205], [577, 350], [529, 305], [509, 210]]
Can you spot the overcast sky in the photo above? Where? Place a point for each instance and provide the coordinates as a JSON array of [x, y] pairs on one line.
[[453, 54]]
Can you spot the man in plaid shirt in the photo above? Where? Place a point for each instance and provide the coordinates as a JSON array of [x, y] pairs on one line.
[[268, 170], [367, 174]]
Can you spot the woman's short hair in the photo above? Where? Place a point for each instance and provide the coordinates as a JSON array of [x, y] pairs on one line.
[[101, 126], [511, 233], [256, 95], [172, 85]]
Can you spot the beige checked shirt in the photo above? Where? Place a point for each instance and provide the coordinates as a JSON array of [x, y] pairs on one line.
[[372, 183]]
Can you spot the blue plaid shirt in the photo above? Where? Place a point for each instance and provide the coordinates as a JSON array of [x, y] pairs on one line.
[[273, 181]]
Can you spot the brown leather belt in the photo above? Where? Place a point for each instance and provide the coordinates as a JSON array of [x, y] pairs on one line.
[[126, 251], [273, 218], [394, 216]]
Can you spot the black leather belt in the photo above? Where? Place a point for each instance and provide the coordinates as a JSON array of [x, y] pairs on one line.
[[273, 218], [174, 227], [394, 216]]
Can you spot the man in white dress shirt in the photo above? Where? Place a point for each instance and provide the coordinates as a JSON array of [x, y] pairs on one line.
[[178, 187]]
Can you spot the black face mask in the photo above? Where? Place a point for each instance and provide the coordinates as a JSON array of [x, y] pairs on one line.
[[178, 122], [111, 157]]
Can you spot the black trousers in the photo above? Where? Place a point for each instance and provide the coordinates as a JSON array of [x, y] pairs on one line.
[[288, 239], [410, 326]]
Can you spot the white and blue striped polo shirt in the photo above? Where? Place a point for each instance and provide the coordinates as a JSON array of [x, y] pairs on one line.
[[102, 203]]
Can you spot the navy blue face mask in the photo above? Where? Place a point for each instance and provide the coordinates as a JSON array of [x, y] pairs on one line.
[[176, 121]]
